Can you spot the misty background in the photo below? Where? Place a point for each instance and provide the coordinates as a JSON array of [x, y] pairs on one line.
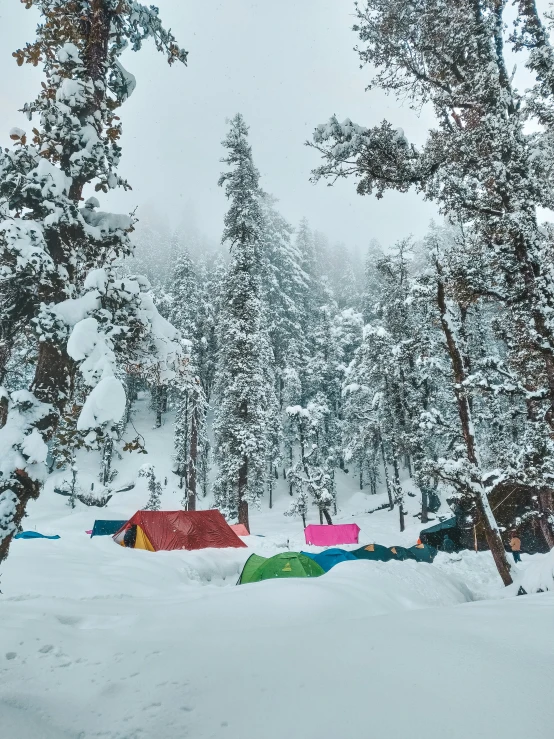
[[286, 67]]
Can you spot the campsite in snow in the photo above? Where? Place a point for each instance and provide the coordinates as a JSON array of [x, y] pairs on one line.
[[276, 384]]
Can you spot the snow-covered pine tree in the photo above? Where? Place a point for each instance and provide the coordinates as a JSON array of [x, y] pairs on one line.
[[211, 275], [312, 474], [190, 435], [455, 59], [184, 298], [241, 422], [284, 282], [55, 251], [148, 473]]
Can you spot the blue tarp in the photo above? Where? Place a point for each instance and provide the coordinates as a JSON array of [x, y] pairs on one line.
[[34, 535], [330, 557], [104, 527]]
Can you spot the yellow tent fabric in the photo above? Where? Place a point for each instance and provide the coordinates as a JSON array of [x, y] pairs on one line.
[[143, 542], [370, 548]]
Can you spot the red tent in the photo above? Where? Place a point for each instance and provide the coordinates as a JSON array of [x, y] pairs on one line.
[[240, 529], [167, 530]]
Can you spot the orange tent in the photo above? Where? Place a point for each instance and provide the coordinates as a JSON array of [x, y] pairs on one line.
[[240, 529], [168, 530]]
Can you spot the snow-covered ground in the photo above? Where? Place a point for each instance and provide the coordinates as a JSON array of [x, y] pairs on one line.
[[101, 641]]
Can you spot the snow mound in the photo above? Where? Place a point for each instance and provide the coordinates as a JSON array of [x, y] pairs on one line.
[[538, 575]]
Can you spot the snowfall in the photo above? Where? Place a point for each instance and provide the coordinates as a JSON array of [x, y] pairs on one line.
[[101, 641]]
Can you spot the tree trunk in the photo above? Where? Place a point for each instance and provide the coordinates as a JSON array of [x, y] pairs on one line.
[[5, 351], [494, 540], [291, 459], [184, 467], [158, 405], [107, 460], [243, 503], [546, 515], [327, 517], [193, 458], [424, 505], [387, 481], [270, 485], [477, 491], [361, 477], [401, 517]]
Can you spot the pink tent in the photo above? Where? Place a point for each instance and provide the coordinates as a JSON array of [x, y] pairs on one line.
[[240, 529], [324, 536]]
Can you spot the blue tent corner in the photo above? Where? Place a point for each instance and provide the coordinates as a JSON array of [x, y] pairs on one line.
[[104, 527]]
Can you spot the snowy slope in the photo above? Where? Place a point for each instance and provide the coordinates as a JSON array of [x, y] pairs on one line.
[[344, 655], [102, 641]]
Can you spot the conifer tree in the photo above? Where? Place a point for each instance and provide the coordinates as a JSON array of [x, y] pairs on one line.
[[241, 423], [148, 473], [66, 286]]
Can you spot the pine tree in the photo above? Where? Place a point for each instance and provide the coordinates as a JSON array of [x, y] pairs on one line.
[[283, 281], [66, 283], [241, 423], [148, 472], [312, 475]]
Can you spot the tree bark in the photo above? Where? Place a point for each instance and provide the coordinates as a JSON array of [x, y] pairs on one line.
[[477, 493], [107, 460], [291, 459], [193, 458], [546, 514], [424, 506], [401, 517], [243, 503], [387, 481]]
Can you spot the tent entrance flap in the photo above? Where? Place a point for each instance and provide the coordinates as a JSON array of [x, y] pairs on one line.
[[142, 541]]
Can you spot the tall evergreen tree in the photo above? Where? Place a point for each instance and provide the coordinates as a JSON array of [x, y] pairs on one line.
[[67, 289], [241, 423]]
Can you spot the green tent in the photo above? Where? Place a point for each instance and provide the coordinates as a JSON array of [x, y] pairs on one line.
[[376, 552], [286, 564], [251, 564]]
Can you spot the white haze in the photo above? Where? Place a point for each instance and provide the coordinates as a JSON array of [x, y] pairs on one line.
[[286, 67]]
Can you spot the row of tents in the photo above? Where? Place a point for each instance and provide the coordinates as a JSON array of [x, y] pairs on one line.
[[307, 564], [170, 530]]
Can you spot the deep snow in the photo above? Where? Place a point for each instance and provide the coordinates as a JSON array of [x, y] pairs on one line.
[[101, 641]]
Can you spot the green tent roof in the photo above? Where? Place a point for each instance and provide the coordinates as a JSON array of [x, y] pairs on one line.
[[286, 564], [251, 564]]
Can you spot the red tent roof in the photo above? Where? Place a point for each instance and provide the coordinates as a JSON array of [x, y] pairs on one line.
[[239, 529], [167, 530]]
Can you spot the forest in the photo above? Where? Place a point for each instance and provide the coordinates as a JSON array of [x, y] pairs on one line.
[[276, 457], [284, 355]]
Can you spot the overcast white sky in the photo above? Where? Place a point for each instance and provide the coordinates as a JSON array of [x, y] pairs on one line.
[[285, 66]]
